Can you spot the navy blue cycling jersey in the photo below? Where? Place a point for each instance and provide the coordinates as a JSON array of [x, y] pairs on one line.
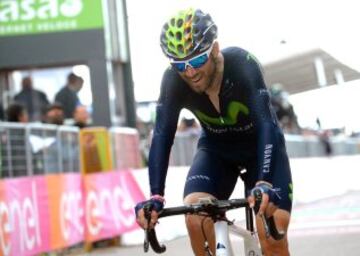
[[245, 117]]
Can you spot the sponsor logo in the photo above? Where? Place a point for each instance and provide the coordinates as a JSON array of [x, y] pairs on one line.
[[26, 10], [233, 111], [267, 158]]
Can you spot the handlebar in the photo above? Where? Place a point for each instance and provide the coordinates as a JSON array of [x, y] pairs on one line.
[[208, 207]]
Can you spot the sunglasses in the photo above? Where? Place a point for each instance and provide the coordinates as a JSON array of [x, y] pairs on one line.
[[195, 62]]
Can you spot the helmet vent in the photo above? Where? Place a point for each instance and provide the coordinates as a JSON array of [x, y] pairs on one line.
[[171, 34], [171, 45], [179, 23], [188, 17], [188, 43], [180, 49], [178, 36], [172, 22]]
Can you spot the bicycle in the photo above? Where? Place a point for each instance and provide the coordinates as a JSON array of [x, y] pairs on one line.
[[216, 209]]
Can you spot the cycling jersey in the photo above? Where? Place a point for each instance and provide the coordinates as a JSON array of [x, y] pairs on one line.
[[245, 121]]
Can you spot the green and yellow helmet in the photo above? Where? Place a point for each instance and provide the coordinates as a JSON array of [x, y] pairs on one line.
[[188, 32]]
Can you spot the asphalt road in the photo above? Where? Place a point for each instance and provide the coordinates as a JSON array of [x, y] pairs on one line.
[[328, 227]]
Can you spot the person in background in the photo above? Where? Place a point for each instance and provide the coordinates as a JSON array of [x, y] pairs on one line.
[[67, 96], [17, 113], [189, 125], [13, 162], [2, 112], [81, 117], [284, 110], [35, 101], [54, 114]]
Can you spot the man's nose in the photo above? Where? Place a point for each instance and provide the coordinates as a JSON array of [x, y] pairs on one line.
[[190, 71]]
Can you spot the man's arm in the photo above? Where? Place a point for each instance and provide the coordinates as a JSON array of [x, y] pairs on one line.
[[264, 118], [167, 113]]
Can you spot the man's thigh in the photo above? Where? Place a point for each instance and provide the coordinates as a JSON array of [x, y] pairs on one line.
[[211, 174]]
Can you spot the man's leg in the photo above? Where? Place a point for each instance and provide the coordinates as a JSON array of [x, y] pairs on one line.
[[209, 176], [270, 246], [198, 226]]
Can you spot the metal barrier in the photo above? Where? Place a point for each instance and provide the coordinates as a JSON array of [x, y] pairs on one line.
[[184, 147], [126, 148], [29, 149], [42, 148]]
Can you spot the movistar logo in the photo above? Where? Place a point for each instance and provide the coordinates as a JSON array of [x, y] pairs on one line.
[[234, 108]]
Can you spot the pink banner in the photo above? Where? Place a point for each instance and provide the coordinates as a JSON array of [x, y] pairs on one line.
[[66, 206], [109, 204], [45, 213], [24, 215]]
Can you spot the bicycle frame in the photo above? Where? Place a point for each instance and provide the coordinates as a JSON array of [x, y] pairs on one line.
[[224, 245]]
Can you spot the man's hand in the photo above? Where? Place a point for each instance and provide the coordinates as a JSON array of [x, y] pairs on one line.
[[267, 196], [147, 212]]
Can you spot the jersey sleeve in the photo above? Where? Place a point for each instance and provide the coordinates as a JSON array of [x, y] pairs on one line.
[[167, 113], [262, 116]]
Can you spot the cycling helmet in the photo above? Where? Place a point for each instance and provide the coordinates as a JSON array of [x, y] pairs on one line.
[[188, 32]]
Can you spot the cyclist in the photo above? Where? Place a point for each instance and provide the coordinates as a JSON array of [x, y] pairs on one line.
[[225, 90]]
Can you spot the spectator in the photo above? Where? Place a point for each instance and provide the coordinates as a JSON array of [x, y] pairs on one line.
[[2, 114], [68, 97], [33, 100], [13, 161], [284, 110], [81, 117], [189, 125], [54, 114], [326, 143], [17, 113]]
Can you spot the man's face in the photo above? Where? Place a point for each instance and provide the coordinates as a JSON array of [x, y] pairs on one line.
[[81, 115], [199, 79], [55, 116]]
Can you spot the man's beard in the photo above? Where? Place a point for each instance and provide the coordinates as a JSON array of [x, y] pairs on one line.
[[212, 77]]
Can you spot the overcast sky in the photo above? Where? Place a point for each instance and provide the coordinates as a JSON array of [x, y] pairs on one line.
[[256, 25]]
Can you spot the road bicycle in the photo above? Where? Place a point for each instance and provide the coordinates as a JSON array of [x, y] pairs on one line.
[[216, 209]]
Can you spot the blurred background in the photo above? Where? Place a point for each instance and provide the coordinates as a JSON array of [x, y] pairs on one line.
[[71, 67]]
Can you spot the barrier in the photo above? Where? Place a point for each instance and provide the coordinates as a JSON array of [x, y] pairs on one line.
[[125, 147], [45, 213], [37, 149], [184, 147], [95, 150]]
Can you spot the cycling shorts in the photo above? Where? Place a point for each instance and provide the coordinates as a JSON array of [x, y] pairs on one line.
[[216, 169]]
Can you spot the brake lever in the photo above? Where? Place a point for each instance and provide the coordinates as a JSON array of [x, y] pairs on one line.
[[258, 199], [268, 223], [150, 234], [147, 214]]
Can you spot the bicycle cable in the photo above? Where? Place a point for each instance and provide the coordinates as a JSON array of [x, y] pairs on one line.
[[206, 245]]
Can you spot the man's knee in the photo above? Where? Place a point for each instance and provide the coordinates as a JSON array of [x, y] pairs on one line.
[[195, 222], [194, 197]]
